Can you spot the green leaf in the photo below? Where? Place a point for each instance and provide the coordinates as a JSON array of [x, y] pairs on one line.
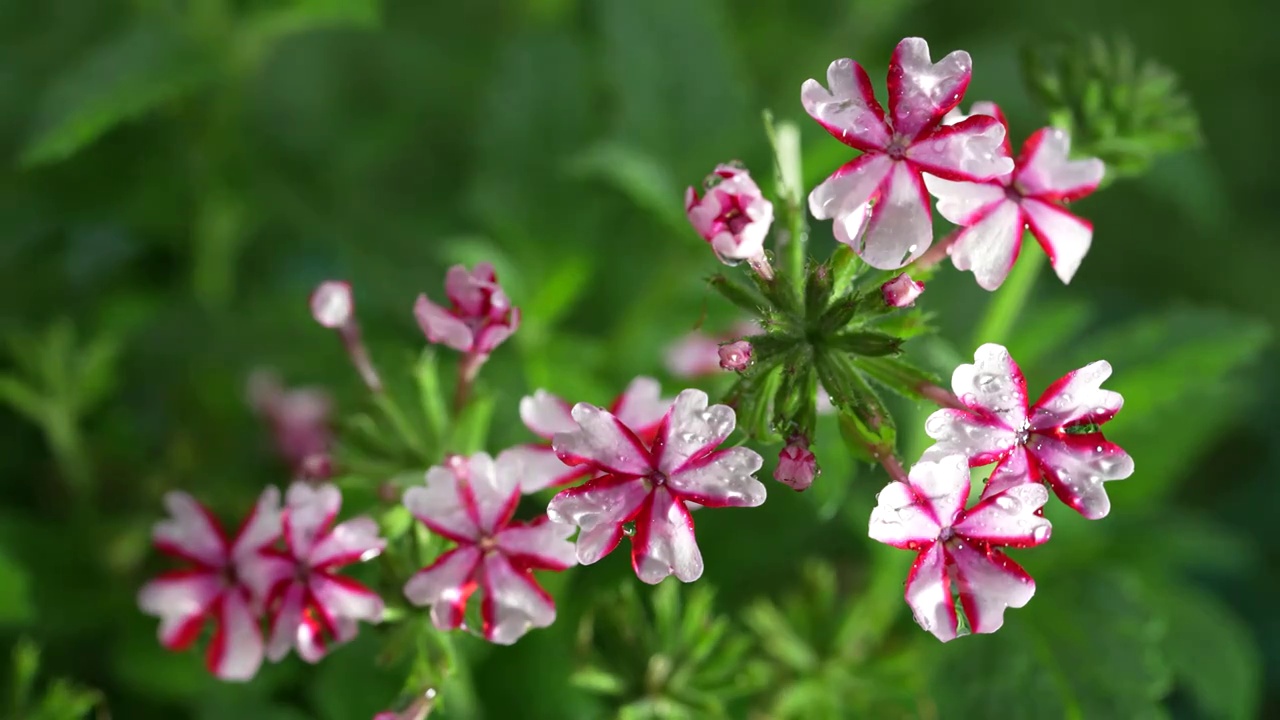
[[259, 32], [472, 427], [743, 296], [646, 182], [898, 375], [129, 76], [23, 399], [16, 607]]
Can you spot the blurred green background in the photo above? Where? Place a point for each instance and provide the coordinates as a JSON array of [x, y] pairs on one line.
[[179, 175]]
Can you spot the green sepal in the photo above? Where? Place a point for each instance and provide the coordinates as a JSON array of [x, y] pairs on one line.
[[752, 398], [897, 374], [817, 291], [866, 343], [845, 265], [856, 399], [772, 348], [783, 294], [743, 296]]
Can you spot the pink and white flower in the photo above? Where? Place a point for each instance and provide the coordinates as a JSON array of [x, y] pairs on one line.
[[697, 354], [1055, 440], [312, 607], [480, 316], [643, 488], [902, 291], [301, 423], [471, 501], [797, 467], [735, 356], [992, 214], [958, 548], [878, 201], [640, 406], [224, 582], [733, 216]]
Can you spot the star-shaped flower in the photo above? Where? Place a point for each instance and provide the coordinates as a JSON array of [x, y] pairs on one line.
[[958, 547], [878, 200], [1056, 439], [643, 488], [471, 501], [993, 214]]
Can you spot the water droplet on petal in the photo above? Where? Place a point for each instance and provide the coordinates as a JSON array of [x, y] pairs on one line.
[[1040, 534]]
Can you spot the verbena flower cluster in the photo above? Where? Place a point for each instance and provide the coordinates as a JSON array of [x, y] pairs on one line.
[[638, 467]]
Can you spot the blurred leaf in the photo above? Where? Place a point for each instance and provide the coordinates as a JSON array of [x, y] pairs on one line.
[[350, 683], [638, 176], [262, 30], [15, 592], [22, 399], [130, 75]]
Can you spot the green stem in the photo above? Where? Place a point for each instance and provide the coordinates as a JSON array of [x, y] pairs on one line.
[[785, 139], [1002, 313], [400, 424]]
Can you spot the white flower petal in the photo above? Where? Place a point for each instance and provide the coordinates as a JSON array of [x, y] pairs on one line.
[[900, 519], [181, 600], [308, 514], [236, 651], [988, 583], [440, 507], [342, 597], [544, 544], [692, 430], [537, 467], [721, 479], [900, 228], [603, 442], [513, 602], [990, 245], [1008, 518], [546, 414], [1076, 466], [973, 150], [848, 190], [355, 540], [664, 543], [1065, 237], [1046, 170], [440, 326], [848, 110], [929, 594], [599, 507], [1077, 397], [993, 385], [442, 585], [960, 432], [963, 202], [495, 489], [285, 622], [190, 531], [641, 406], [1013, 470], [921, 91]]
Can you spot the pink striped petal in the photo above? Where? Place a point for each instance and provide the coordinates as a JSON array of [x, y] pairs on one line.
[[513, 603], [441, 326], [664, 543], [314, 640], [965, 203], [1065, 237], [261, 528], [264, 571], [286, 621], [691, 430], [603, 442], [440, 507], [445, 586], [309, 511], [929, 594], [542, 544], [941, 487], [988, 582], [181, 599], [355, 540], [958, 432], [537, 467], [495, 490], [1077, 397], [469, 291], [641, 406], [850, 187], [546, 414], [973, 150], [848, 227], [1017, 468], [599, 507], [342, 597], [1076, 466], [235, 653], [900, 227], [900, 519], [993, 386], [1008, 518], [921, 91], [190, 532], [990, 245], [721, 479], [848, 110], [1046, 172], [982, 107]]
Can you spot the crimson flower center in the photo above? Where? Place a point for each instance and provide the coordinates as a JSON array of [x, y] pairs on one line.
[[946, 533], [897, 148], [657, 479]]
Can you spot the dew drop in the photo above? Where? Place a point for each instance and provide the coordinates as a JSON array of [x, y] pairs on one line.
[[1008, 503], [629, 529], [1040, 534]]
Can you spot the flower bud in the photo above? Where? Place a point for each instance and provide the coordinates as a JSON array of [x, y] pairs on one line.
[[902, 291], [733, 215], [797, 466], [735, 356], [332, 305], [479, 317]]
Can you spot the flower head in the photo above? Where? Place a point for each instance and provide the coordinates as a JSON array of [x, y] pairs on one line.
[[224, 581], [797, 466], [958, 547], [1056, 439], [878, 200], [733, 215], [735, 356], [902, 291], [470, 501], [640, 406], [992, 214], [645, 486], [301, 423], [480, 315], [312, 607]]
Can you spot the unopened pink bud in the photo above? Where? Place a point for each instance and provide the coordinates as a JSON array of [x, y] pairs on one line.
[[902, 291], [797, 466], [733, 216], [735, 356], [332, 305]]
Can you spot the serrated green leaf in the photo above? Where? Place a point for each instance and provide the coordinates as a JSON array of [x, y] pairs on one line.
[[130, 75]]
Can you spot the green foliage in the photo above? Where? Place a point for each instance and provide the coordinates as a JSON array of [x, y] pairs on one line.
[[59, 700]]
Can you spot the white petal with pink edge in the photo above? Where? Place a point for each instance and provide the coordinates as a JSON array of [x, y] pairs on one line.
[[1047, 170], [285, 622], [1064, 237], [440, 585], [538, 467], [929, 594], [847, 227], [1077, 397], [261, 572], [899, 519], [546, 414], [513, 602], [963, 202], [942, 486], [900, 228], [237, 647], [988, 583], [262, 527], [343, 597], [1008, 518], [850, 187], [355, 540], [190, 530], [693, 429], [959, 432], [994, 385], [602, 441], [495, 488], [1076, 466], [973, 150], [722, 479], [545, 544], [848, 110], [664, 542], [440, 326], [990, 245], [1014, 469], [641, 406], [179, 599], [921, 91], [440, 506], [309, 512], [599, 507], [312, 640]]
